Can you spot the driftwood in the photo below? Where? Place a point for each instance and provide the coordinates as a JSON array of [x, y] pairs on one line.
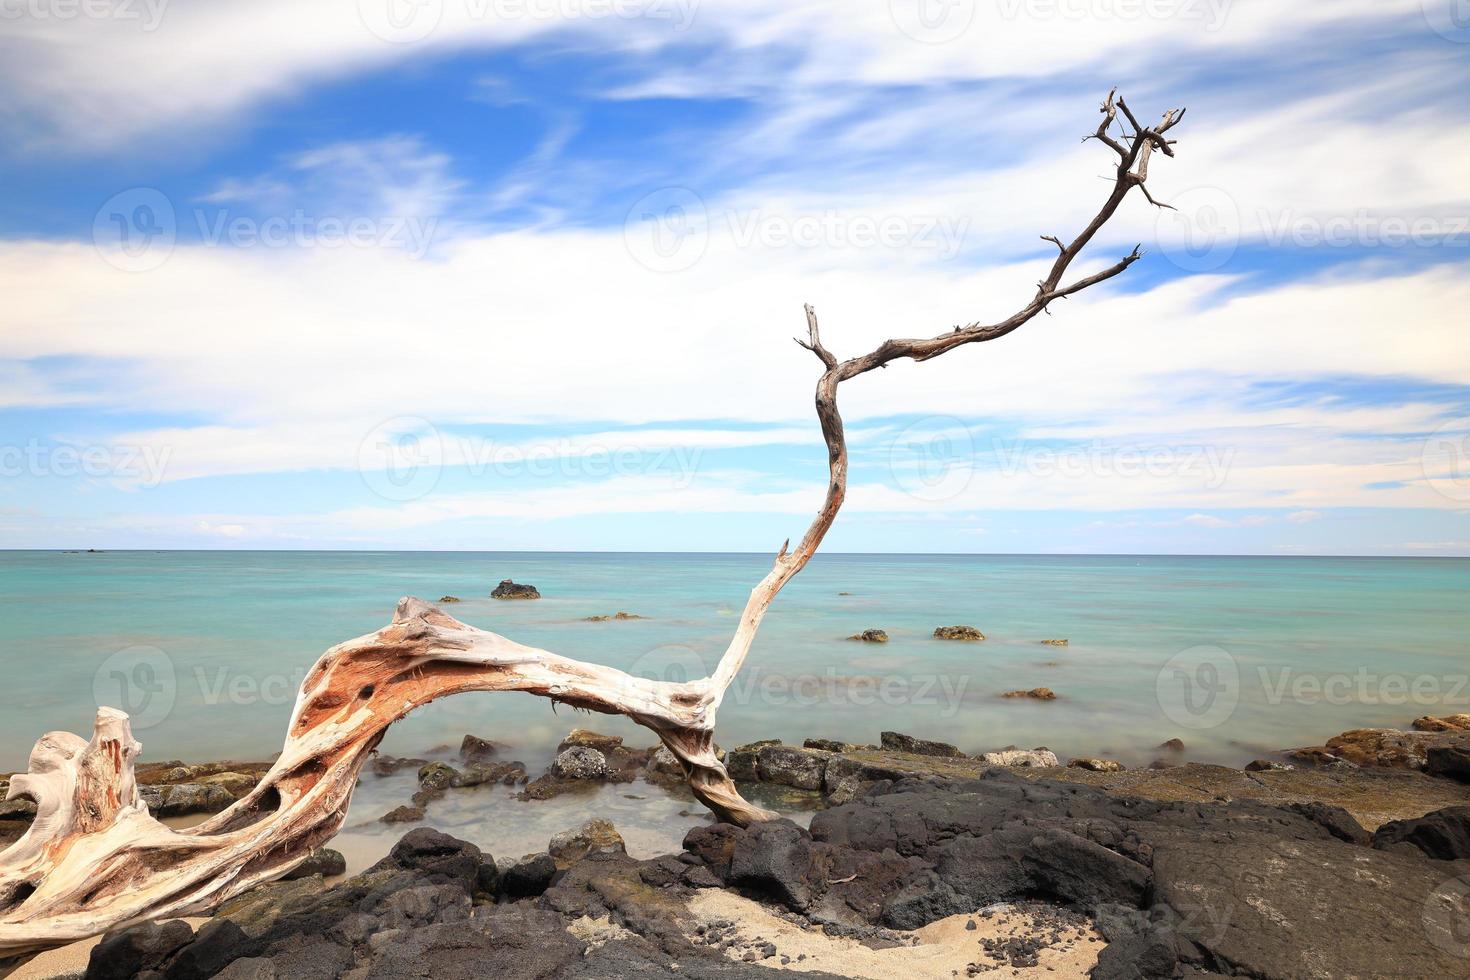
[[94, 860]]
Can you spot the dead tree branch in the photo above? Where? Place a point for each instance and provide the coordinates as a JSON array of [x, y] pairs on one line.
[[94, 860]]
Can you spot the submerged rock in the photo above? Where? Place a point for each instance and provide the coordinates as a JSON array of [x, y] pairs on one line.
[[618, 617], [580, 762], [958, 633], [403, 814], [899, 742], [1054, 643], [514, 590], [1035, 694], [448, 598], [1448, 723], [870, 636], [475, 749], [592, 740]]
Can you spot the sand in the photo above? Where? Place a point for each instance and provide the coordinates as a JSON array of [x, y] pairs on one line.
[[943, 949]]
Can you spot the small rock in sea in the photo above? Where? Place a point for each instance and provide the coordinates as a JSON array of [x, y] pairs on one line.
[[513, 590], [593, 837], [1096, 765], [870, 636], [1268, 765], [448, 598], [476, 749], [1448, 723], [580, 762], [590, 739], [1036, 694], [1173, 745], [387, 765], [1022, 758], [619, 617], [403, 814], [899, 742], [1055, 643], [480, 773], [958, 633], [437, 776], [844, 593]]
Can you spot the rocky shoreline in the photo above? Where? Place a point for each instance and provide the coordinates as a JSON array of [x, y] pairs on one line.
[[1347, 859]]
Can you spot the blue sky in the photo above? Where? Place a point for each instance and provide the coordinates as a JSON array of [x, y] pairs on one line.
[[522, 274]]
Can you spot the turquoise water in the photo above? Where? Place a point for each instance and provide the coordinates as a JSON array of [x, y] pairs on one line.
[[1233, 655]]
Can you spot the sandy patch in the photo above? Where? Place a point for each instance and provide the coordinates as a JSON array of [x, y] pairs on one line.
[[948, 948]]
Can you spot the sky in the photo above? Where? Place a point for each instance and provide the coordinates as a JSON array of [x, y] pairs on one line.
[[524, 274]]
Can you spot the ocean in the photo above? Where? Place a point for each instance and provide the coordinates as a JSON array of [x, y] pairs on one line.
[[1235, 656]]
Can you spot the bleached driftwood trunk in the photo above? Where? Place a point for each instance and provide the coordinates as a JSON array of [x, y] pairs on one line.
[[95, 860]]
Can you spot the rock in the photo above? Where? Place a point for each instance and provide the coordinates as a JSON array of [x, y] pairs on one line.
[[1333, 819], [1383, 747], [1448, 723], [403, 814], [387, 765], [580, 762], [475, 749], [618, 617], [529, 877], [1025, 758], [898, 742], [437, 776], [742, 761], [237, 784], [189, 798], [448, 598], [957, 633], [1268, 765], [592, 740], [436, 855], [1443, 835], [1450, 759], [482, 773], [786, 765], [774, 859], [664, 761], [593, 837], [512, 590], [123, 955], [1054, 643], [870, 636], [831, 745], [24, 808], [1173, 745], [325, 862], [1096, 765], [1036, 694]]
